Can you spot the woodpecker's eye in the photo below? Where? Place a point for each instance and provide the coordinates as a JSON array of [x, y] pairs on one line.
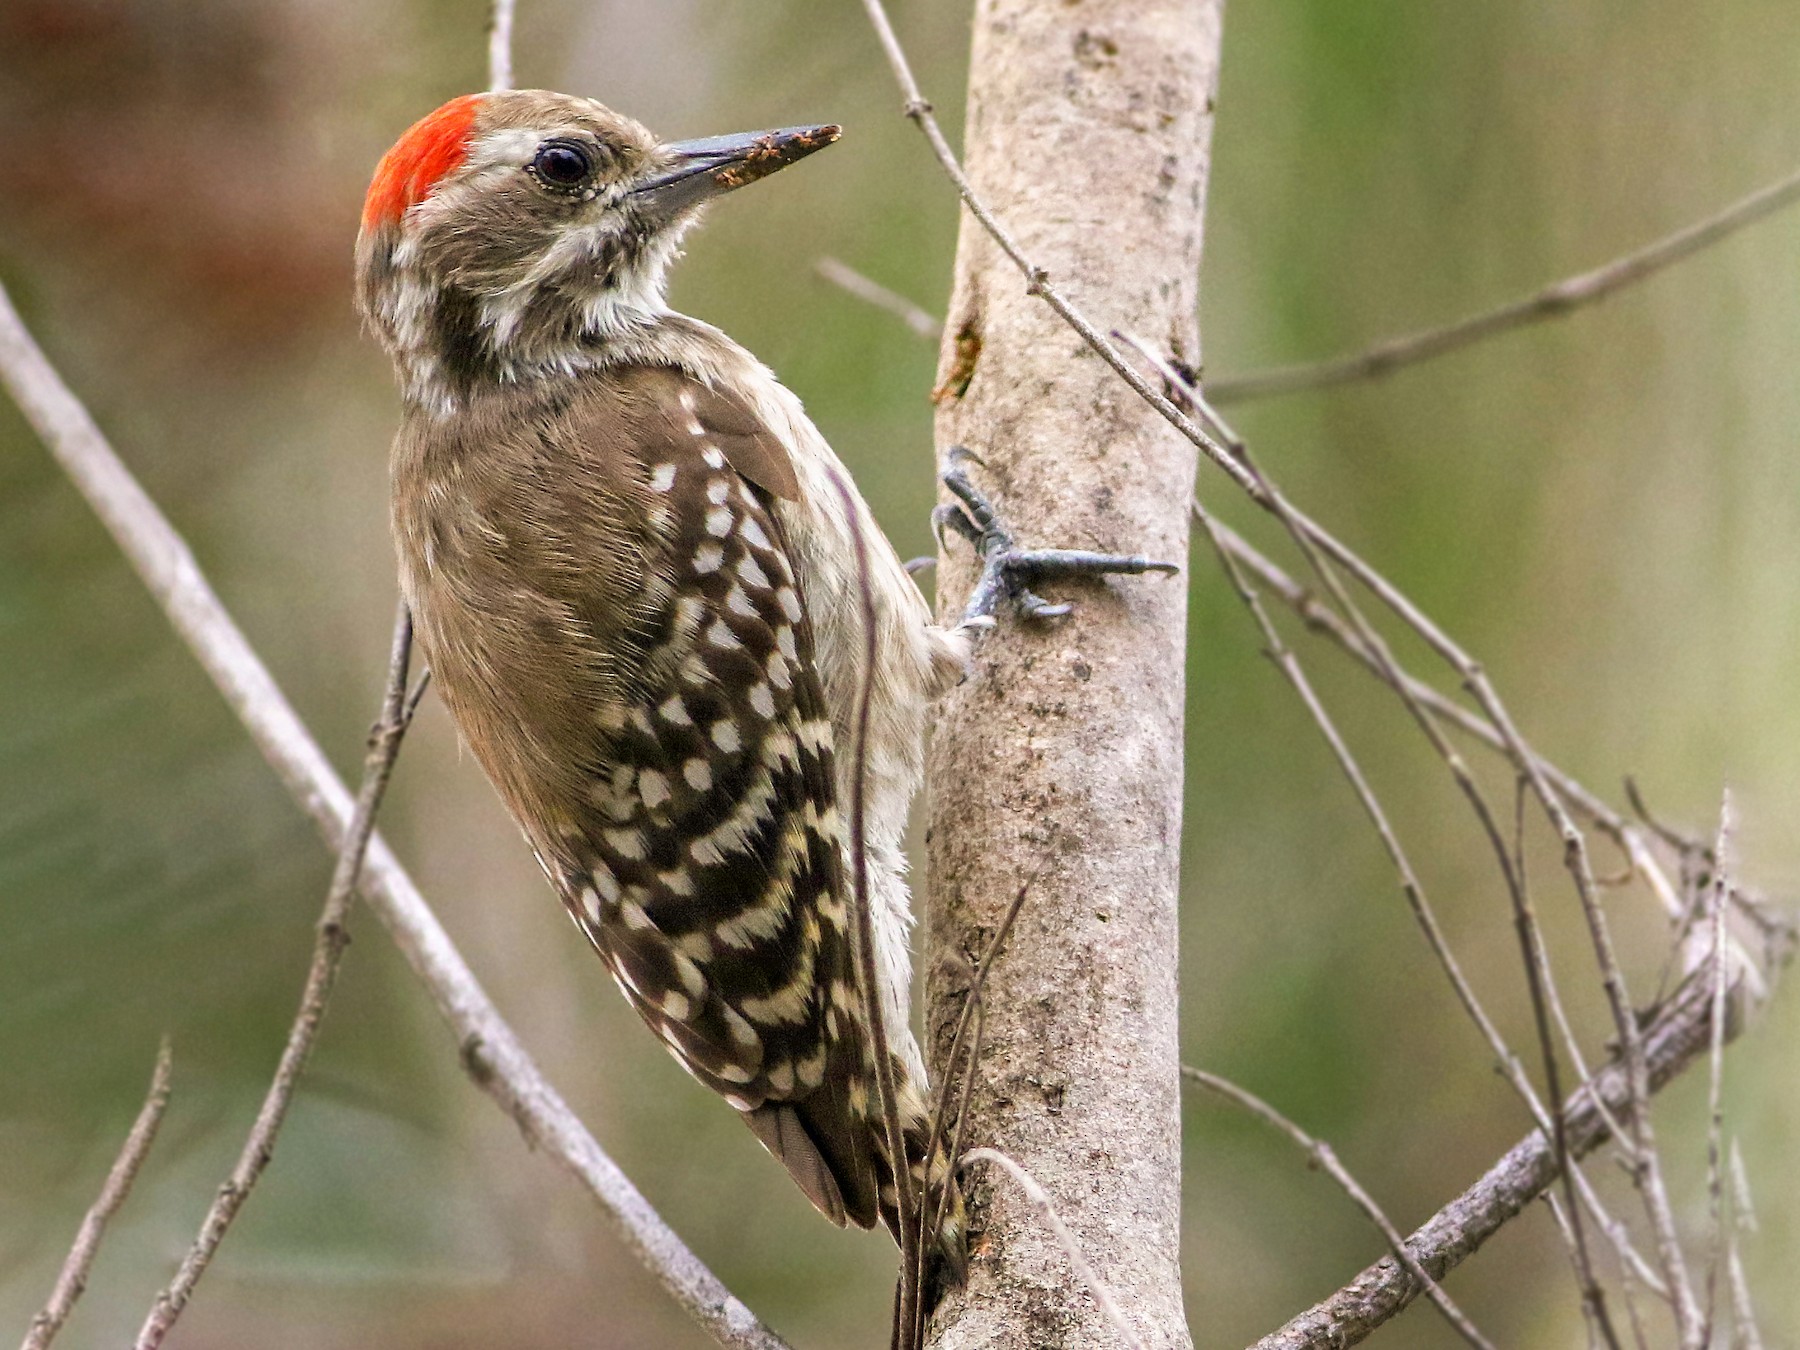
[[562, 164]]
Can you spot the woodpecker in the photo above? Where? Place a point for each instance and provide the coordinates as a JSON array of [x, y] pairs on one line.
[[631, 565]]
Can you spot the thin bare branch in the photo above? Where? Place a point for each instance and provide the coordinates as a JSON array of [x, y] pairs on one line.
[[1324, 1156], [1314, 541], [1065, 1239], [500, 45], [1745, 1334], [71, 1283], [490, 1051], [1630, 837], [846, 277], [1679, 1033], [959, 1074], [1538, 978], [321, 976], [1552, 302], [1715, 1100]]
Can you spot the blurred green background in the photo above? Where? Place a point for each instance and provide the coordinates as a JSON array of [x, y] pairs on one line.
[[1606, 509]]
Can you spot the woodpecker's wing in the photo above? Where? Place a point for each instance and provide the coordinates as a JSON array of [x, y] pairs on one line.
[[707, 865]]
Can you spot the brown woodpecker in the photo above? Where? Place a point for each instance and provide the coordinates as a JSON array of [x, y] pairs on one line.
[[631, 565], [635, 582]]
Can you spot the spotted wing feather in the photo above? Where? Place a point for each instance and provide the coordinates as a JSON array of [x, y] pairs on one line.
[[708, 871]]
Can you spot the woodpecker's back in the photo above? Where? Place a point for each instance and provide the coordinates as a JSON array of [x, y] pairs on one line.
[[632, 575]]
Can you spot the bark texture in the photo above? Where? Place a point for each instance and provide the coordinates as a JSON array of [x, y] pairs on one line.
[[1061, 757]]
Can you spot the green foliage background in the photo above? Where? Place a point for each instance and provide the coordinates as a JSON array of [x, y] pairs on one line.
[[1605, 509]]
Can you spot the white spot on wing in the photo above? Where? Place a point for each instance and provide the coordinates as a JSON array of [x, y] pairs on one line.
[[753, 533], [625, 843], [752, 573], [653, 788]]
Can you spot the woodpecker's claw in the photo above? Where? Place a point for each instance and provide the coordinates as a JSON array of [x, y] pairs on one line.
[[1007, 571]]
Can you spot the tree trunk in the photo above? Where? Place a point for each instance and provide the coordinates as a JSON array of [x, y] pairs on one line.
[[1060, 759]]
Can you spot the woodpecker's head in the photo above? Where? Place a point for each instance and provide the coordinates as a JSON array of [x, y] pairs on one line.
[[515, 234]]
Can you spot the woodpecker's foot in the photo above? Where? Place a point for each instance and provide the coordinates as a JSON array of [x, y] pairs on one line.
[[1008, 571]]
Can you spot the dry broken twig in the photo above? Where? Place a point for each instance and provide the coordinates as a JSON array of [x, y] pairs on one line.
[[72, 1281], [1553, 301], [321, 976], [846, 277], [1322, 1155]]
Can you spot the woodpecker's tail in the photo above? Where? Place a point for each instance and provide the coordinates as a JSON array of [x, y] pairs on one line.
[[834, 1143]]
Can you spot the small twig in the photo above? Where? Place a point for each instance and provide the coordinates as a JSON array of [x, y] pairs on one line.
[[1322, 1155], [1109, 1305], [1778, 930], [489, 1049], [1314, 540], [1679, 1033], [500, 44], [1553, 301], [971, 1006], [1745, 1334], [911, 1259], [960, 1069], [328, 954], [1321, 620], [842, 275], [72, 1281], [1715, 1101]]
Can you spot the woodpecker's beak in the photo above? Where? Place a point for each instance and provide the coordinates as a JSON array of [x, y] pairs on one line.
[[698, 171]]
